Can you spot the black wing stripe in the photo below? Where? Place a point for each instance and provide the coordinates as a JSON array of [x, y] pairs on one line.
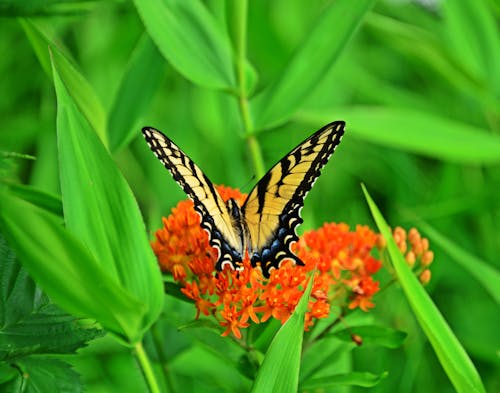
[[279, 197], [207, 202]]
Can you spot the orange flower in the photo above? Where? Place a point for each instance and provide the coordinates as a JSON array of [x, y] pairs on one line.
[[342, 259]]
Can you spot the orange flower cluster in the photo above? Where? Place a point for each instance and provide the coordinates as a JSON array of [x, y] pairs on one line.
[[415, 248], [342, 259]]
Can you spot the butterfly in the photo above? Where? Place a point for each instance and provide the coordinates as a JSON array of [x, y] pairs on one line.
[[265, 225]]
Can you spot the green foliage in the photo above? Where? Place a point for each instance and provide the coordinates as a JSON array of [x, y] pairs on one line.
[[236, 85], [279, 371], [452, 355], [31, 329]]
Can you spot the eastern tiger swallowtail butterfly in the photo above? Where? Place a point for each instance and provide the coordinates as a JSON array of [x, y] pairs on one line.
[[265, 225]]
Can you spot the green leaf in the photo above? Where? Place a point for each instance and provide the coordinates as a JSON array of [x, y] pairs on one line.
[[279, 371], [100, 209], [43, 374], [49, 202], [66, 270], [417, 44], [448, 349], [473, 35], [142, 78], [418, 132], [309, 64], [7, 373], [29, 324], [189, 37], [364, 379], [80, 90], [371, 334], [47, 330], [482, 271], [18, 8]]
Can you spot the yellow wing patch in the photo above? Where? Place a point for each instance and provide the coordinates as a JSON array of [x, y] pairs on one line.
[[267, 221]]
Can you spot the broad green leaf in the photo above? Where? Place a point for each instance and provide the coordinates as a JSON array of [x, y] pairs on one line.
[[482, 271], [100, 209], [371, 334], [189, 37], [80, 90], [417, 132], [364, 379], [66, 270], [326, 41], [448, 349], [473, 34], [279, 371], [142, 78]]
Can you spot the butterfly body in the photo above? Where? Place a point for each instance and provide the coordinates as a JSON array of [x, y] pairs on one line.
[[265, 225]]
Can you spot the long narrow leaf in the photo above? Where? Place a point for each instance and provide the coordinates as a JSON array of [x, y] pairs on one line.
[[448, 349], [473, 34], [141, 79], [364, 379], [80, 90], [279, 371], [418, 132], [100, 208], [309, 64], [65, 269], [483, 272], [191, 40]]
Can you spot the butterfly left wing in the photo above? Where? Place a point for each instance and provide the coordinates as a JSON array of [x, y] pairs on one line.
[[272, 209], [215, 218]]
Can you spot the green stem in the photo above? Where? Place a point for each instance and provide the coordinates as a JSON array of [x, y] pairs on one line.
[[147, 370], [240, 19], [157, 341]]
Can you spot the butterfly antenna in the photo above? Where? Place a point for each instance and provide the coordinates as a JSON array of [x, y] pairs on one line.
[[246, 185]]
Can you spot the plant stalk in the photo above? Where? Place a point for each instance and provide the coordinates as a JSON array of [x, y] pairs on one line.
[[147, 369], [240, 18]]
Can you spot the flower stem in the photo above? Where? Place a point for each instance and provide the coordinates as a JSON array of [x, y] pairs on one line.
[[147, 370], [240, 18]]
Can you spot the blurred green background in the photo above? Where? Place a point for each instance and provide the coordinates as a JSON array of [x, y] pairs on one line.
[[419, 88]]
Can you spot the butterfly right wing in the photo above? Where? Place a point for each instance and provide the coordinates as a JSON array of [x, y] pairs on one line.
[[215, 218]]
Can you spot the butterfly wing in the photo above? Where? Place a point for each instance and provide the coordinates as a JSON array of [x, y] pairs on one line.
[[215, 218], [272, 209]]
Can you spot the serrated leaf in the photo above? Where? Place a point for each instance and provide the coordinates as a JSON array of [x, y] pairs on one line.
[[371, 334], [363, 379], [323, 45], [46, 330], [448, 349], [43, 375], [66, 270], [189, 37], [279, 371], [99, 207]]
